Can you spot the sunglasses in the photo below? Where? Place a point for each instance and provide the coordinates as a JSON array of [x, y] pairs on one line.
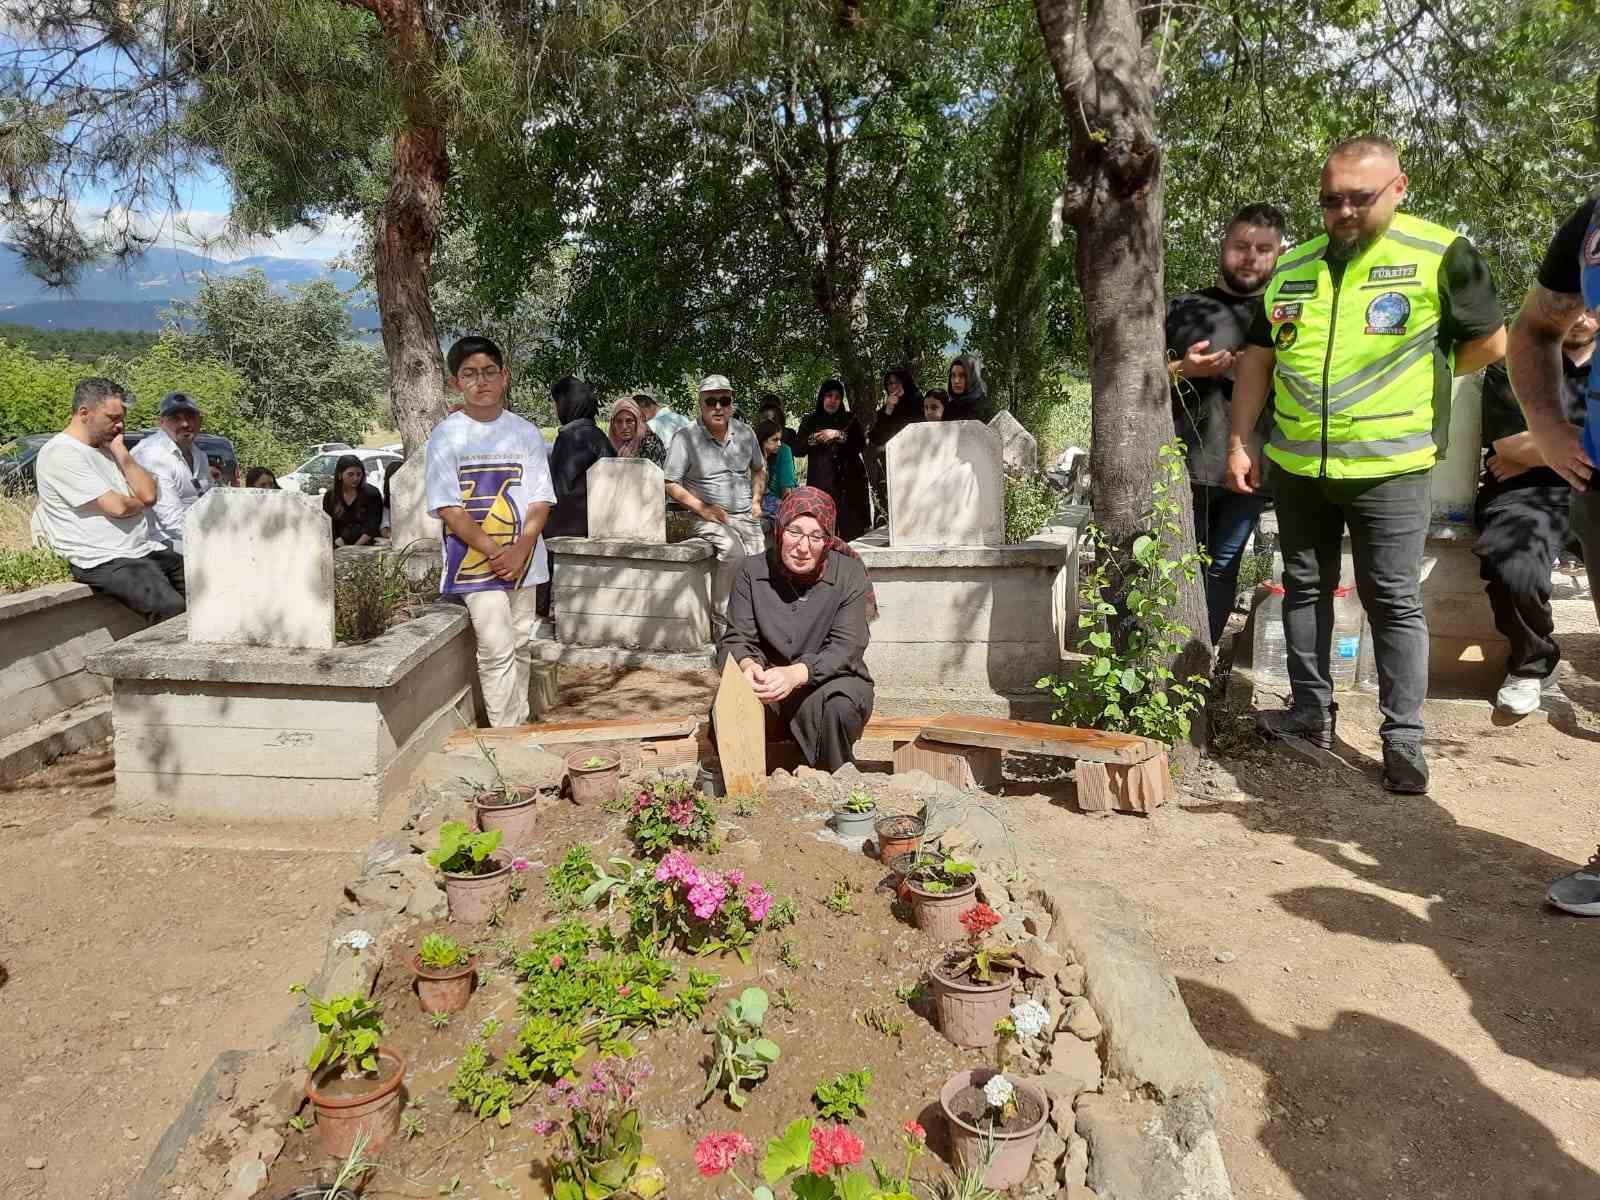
[[1334, 201], [717, 401]]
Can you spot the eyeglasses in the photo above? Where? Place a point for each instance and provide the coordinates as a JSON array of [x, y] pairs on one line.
[[1334, 201], [717, 401], [815, 539], [472, 375]]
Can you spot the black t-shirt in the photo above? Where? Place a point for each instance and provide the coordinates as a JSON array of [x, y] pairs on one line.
[[1561, 270], [1502, 417], [1200, 407], [1468, 306]]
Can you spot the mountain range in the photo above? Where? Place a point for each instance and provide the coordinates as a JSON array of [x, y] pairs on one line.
[[133, 296]]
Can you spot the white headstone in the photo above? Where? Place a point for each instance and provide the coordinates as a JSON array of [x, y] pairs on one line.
[[627, 500], [946, 485], [258, 569], [1019, 452], [409, 521]]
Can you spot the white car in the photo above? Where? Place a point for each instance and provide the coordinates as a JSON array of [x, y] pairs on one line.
[[327, 447], [315, 475]]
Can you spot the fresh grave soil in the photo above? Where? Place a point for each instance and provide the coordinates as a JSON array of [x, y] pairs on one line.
[[846, 965], [335, 1086], [969, 1105], [622, 693]]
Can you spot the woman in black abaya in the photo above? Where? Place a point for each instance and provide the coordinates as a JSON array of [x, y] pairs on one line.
[[832, 440]]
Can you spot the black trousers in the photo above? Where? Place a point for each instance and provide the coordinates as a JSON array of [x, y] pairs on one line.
[[1520, 533], [825, 720], [151, 586]]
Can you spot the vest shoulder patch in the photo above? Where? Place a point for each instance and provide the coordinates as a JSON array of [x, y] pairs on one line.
[[1298, 287]]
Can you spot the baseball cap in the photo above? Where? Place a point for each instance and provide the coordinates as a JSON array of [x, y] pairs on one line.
[[715, 383], [174, 402]]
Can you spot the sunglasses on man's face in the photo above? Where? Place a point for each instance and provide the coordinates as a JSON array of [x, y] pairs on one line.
[[717, 401], [1334, 201]]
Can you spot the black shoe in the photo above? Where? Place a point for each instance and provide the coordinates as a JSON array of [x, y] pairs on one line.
[[1315, 725], [1405, 770]]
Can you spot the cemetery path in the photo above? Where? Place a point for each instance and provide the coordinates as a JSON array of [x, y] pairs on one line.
[[130, 956]]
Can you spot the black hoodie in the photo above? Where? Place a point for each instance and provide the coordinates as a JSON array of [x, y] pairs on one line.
[[580, 443]]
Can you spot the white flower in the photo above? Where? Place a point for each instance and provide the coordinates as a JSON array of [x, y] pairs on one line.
[[357, 939], [1030, 1017], [999, 1091]]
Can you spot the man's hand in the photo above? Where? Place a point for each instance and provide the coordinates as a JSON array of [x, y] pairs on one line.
[[1197, 363], [119, 449], [1243, 470], [714, 512], [1561, 446], [510, 561], [1511, 456], [778, 682]]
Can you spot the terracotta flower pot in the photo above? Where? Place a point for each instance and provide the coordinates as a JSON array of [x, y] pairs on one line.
[[897, 835], [1013, 1151], [901, 865], [593, 785], [518, 823], [347, 1108], [938, 914], [473, 897], [966, 1009], [854, 824], [444, 989]]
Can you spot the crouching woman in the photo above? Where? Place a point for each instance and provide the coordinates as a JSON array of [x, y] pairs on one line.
[[797, 628]]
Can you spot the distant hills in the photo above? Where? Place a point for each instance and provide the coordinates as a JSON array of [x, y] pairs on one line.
[[133, 297]]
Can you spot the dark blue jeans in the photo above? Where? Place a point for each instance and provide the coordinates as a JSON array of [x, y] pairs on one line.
[[1223, 521]]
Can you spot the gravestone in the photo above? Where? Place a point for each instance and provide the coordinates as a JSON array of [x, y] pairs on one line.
[[627, 500], [258, 569], [409, 521], [1019, 452], [946, 485]]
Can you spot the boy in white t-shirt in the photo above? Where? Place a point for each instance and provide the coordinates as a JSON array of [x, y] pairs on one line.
[[488, 480]]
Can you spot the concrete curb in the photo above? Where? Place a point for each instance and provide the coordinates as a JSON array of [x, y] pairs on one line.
[[189, 1122], [39, 745]]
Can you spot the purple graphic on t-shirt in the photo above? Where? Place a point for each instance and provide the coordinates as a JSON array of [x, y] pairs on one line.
[[486, 495]]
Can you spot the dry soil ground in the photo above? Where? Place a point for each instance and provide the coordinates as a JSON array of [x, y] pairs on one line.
[[1396, 1013]]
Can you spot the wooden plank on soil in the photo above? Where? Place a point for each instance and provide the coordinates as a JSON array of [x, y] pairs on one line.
[[1034, 737], [894, 729], [556, 733], [740, 724]]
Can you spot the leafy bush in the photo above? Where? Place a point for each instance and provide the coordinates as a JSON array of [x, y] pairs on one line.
[[374, 592], [349, 1027], [24, 569], [462, 852], [570, 878], [740, 1055], [670, 812], [845, 1095], [440, 951], [1030, 503]]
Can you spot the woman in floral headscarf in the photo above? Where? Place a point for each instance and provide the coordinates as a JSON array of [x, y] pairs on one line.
[[632, 437], [797, 628]]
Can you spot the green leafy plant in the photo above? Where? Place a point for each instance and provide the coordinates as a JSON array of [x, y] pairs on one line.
[[24, 569], [740, 1054], [439, 1020], [1126, 683], [883, 1020], [787, 956], [413, 1123], [982, 957], [669, 812], [375, 591], [594, 762], [567, 881], [353, 1167], [843, 1097], [859, 801], [838, 898], [349, 1028], [463, 852], [600, 1150], [908, 993], [785, 1000], [1030, 504], [782, 914], [943, 874], [815, 1160], [441, 952]]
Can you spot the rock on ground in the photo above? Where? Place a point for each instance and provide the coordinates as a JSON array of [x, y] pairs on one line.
[[1143, 1150]]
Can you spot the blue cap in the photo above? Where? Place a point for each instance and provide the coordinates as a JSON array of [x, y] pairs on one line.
[[175, 402]]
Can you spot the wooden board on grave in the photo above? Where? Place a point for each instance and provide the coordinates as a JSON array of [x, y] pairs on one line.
[[1034, 737], [740, 723]]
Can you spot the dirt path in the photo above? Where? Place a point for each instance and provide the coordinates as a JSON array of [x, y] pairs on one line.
[[130, 956]]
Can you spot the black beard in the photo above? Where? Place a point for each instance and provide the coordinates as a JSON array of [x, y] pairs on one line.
[[1347, 251], [1238, 286]]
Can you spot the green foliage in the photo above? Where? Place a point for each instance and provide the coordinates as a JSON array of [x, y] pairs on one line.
[[602, 1151], [375, 591], [35, 393], [440, 951], [349, 1028], [1126, 684], [843, 1097], [859, 801], [782, 913], [1030, 503], [463, 852], [787, 956], [79, 345], [24, 569], [740, 1055], [838, 900], [439, 1020], [570, 878], [670, 811], [941, 874], [883, 1020]]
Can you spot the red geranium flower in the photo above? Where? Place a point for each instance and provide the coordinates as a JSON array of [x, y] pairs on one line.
[[979, 919], [835, 1147], [716, 1152]]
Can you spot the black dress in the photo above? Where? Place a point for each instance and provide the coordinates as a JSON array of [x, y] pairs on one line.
[[365, 516], [838, 468], [579, 445], [823, 625]]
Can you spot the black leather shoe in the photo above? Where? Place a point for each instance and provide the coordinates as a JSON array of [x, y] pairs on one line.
[[1315, 725], [1405, 770]]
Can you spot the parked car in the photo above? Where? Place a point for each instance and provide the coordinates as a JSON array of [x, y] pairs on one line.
[[326, 447], [17, 460], [315, 475], [218, 449]]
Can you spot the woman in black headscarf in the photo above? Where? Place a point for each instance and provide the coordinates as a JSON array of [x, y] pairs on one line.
[[902, 404], [968, 399], [354, 505], [831, 438], [580, 443]]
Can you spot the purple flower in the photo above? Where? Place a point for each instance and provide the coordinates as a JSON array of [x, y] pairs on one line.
[[519, 864], [544, 1128]]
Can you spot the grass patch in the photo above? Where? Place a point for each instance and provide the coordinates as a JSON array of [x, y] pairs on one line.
[[24, 569], [372, 593]]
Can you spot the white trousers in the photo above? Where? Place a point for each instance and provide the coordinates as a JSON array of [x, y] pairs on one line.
[[733, 542], [503, 622]]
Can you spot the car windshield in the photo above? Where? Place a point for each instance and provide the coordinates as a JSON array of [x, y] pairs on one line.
[[322, 464]]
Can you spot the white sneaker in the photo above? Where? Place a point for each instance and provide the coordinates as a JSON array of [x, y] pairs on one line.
[[1520, 694]]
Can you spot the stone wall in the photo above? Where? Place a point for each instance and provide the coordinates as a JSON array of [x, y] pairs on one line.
[[634, 595], [46, 633]]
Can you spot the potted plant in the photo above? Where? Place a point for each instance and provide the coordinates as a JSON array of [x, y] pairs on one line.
[[594, 775], [940, 889], [346, 1183], [354, 1083], [994, 1115], [855, 816], [897, 834], [475, 881], [503, 805], [600, 1153], [972, 985], [901, 865], [445, 970]]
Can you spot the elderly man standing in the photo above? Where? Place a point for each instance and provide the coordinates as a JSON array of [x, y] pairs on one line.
[[180, 468], [716, 470], [1361, 329]]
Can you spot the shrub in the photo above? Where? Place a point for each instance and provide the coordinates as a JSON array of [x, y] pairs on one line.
[[24, 569], [1030, 503], [373, 592]]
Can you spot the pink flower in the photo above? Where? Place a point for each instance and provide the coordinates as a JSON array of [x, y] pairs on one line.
[[716, 1152], [676, 865], [706, 894], [916, 1132], [623, 989], [835, 1147], [556, 961], [757, 900], [735, 878], [544, 1127], [519, 864]]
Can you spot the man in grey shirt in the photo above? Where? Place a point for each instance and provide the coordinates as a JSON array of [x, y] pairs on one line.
[[716, 470]]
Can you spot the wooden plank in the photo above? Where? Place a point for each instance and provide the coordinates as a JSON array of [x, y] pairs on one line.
[[740, 723], [894, 729], [557, 733], [971, 768], [1034, 737]]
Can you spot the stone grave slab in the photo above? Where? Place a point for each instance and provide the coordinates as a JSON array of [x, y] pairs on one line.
[[258, 569], [409, 521], [627, 500], [1019, 451], [946, 485]]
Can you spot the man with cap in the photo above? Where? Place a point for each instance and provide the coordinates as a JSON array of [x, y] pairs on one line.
[[180, 468], [716, 470]]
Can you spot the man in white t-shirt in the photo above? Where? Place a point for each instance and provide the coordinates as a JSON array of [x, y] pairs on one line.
[[488, 480], [180, 468], [663, 422], [93, 499]]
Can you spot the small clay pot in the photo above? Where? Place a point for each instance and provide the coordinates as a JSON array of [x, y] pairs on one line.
[[444, 989], [902, 865], [938, 914], [518, 823], [897, 835], [593, 785], [351, 1110], [473, 898], [966, 1009], [1013, 1151], [854, 824]]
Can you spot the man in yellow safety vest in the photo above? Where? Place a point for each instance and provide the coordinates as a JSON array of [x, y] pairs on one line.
[[1357, 337]]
